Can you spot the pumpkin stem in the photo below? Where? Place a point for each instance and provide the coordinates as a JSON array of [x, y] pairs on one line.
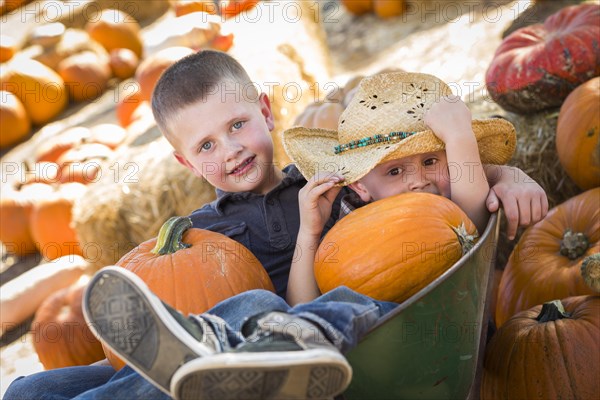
[[466, 241], [551, 311], [573, 245], [590, 271], [170, 236]]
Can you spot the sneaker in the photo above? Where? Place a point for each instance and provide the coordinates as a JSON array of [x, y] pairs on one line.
[[284, 362], [151, 337]]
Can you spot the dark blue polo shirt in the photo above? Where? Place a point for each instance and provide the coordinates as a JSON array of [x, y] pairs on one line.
[[266, 224]]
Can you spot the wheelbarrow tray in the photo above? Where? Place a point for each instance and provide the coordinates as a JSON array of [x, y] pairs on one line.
[[431, 346]]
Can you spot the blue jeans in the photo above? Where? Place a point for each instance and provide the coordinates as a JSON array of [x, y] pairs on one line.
[[344, 316]]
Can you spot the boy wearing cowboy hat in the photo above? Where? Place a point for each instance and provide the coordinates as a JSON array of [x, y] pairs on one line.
[[226, 141], [400, 133]]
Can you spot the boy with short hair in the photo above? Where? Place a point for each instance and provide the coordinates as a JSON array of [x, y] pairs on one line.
[[227, 141]]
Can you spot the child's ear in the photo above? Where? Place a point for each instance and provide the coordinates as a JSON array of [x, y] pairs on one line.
[[184, 161], [361, 191], [265, 108]]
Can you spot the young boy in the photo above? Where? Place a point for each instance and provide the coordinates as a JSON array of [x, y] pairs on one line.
[[225, 138]]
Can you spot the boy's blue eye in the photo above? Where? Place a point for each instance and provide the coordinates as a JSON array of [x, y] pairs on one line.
[[206, 146], [238, 125]]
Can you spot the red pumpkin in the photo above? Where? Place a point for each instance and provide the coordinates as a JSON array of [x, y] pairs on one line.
[[546, 263], [193, 269], [537, 66], [546, 352], [578, 134], [410, 240], [62, 337]]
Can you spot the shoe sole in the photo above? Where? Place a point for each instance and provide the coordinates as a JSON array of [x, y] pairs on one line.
[[130, 320], [308, 374]]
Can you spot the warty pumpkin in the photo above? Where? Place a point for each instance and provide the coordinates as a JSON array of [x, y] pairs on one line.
[[61, 336], [392, 248], [14, 121], [549, 351], [578, 134], [545, 264], [537, 66], [193, 269]]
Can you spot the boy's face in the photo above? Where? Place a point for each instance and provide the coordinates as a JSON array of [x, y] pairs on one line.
[[226, 139], [427, 172]]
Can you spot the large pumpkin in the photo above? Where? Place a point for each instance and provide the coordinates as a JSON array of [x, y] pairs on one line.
[[193, 269], [545, 264], [392, 248], [40, 89], [546, 352], [537, 66], [578, 134], [62, 337], [14, 121], [115, 29], [85, 74]]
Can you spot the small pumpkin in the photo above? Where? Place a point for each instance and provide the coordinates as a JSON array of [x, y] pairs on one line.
[[193, 269], [50, 222], [129, 100], [85, 75], [410, 239], [578, 134], [51, 149], [381, 8], [62, 336], [83, 163], [8, 48], [40, 89], [116, 29], [545, 263], [537, 66], [123, 63], [150, 70], [14, 121], [549, 351]]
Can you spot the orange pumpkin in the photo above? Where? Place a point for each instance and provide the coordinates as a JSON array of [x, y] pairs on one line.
[[51, 149], [129, 100], [193, 269], [578, 134], [381, 8], [401, 259], [85, 75], [14, 121], [150, 70], [123, 63], [116, 29], [62, 337], [545, 264], [358, 7], [183, 7], [15, 211], [8, 48], [83, 163], [40, 89], [50, 222], [546, 352]]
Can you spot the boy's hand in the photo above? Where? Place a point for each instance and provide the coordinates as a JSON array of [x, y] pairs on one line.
[[449, 119], [316, 200], [524, 201]]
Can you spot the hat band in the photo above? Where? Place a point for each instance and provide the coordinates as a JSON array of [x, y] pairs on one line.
[[369, 140]]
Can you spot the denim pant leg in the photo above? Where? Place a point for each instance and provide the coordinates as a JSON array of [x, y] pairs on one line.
[[59, 384], [125, 384], [344, 315], [233, 312]]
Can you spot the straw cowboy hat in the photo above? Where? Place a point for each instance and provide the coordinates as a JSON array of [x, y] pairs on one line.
[[384, 121]]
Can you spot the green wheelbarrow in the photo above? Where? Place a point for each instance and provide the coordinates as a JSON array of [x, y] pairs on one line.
[[431, 346]]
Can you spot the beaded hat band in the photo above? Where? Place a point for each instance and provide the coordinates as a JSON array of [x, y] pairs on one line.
[[391, 107]]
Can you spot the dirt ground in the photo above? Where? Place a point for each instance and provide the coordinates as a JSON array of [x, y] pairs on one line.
[[454, 40]]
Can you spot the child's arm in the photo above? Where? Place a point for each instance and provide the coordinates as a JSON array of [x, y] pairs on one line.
[[450, 120], [316, 199], [523, 199]]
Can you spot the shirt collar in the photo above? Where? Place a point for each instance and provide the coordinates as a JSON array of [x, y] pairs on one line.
[[291, 176], [349, 203]]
